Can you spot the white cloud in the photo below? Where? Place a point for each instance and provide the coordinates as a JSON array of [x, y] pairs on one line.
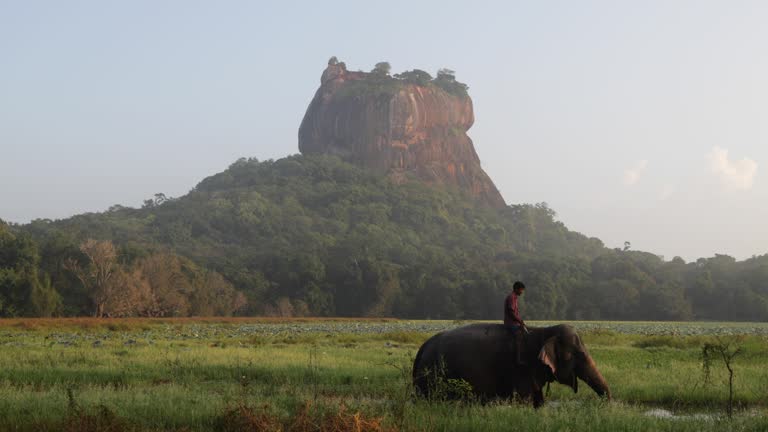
[[632, 175], [666, 192], [738, 174]]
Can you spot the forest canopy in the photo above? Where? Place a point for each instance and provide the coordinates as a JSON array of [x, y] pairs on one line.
[[312, 235]]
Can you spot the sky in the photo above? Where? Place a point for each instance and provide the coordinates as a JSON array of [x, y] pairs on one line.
[[644, 122]]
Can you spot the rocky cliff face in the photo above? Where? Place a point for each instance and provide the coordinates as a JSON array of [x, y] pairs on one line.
[[400, 129]]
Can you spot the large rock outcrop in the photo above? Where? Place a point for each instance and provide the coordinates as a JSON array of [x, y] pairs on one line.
[[406, 129]]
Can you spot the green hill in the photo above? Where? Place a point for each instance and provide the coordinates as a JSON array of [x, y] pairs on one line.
[[312, 235]]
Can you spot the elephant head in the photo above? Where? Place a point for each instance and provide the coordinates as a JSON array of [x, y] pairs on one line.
[[567, 359]]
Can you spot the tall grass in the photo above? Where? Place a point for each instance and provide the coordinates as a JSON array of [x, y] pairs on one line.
[[192, 375]]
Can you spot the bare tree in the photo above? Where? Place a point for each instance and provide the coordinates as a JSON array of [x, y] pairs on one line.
[[96, 272], [727, 350], [170, 287], [130, 295]]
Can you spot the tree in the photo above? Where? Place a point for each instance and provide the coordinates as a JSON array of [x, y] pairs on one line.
[[170, 287], [382, 68], [446, 74], [100, 263], [727, 349], [446, 79], [21, 290], [316, 235], [416, 76], [319, 301], [44, 300], [55, 249], [130, 295], [212, 295], [159, 199]]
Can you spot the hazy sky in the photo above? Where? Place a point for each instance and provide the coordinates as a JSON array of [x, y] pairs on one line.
[[638, 121]]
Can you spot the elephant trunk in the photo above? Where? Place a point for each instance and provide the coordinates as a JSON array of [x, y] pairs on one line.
[[594, 379]]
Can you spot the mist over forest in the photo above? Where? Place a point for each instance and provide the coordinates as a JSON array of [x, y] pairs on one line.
[[316, 236]]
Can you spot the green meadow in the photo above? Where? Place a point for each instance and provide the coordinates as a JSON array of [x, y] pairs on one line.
[[333, 375]]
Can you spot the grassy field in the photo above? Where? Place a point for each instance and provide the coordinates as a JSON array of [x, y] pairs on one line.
[[301, 375]]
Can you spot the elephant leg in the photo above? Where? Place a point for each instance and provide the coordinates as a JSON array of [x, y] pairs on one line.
[[524, 388], [537, 393], [529, 390]]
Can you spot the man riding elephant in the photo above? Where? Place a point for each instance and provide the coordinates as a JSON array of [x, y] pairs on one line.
[[513, 321], [481, 355]]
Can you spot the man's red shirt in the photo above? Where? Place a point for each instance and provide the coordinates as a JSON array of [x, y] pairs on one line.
[[511, 313]]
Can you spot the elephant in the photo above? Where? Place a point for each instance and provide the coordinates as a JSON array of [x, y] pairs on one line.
[[483, 356]]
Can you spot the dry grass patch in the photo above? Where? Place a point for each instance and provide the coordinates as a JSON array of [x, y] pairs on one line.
[[127, 324], [308, 419]]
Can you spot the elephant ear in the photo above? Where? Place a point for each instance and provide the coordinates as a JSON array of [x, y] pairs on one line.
[[548, 355]]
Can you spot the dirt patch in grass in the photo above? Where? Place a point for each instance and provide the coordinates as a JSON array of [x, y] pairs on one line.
[[247, 418], [243, 418]]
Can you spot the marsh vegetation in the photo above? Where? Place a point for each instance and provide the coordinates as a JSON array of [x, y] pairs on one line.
[[249, 374]]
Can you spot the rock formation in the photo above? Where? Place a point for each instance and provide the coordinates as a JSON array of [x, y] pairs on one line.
[[406, 129]]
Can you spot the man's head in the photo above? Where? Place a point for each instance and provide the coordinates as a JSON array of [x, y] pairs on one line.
[[518, 287]]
